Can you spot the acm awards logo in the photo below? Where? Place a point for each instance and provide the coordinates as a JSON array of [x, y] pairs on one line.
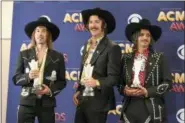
[[72, 74], [176, 16], [126, 47], [180, 115], [75, 18], [178, 77], [178, 82], [180, 52]]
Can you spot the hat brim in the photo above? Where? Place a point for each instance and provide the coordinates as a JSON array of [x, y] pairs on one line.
[[106, 15], [30, 27], [134, 27]]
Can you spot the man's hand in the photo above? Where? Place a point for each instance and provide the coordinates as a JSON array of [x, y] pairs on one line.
[[34, 74], [130, 91], [75, 98], [91, 82], [140, 91], [46, 90]]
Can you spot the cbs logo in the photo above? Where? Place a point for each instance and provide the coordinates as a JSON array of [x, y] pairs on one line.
[[180, 52], [81, 50], [180, 115], [134, 18]]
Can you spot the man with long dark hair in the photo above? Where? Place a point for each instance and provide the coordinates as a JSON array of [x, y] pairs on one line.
[[145, 76]]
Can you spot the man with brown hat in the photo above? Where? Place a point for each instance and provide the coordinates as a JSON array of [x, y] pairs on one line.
[[100, 69], [145, 76], [40, 72]]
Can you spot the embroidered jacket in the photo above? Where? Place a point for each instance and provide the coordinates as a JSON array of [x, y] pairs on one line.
[[157, 82]]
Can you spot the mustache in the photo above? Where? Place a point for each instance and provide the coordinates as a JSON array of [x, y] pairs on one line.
[[40, 37], [145, 40], [93, 28]]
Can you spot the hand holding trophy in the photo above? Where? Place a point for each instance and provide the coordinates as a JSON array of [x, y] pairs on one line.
[[37, 85], [88, 69], [137, 66]]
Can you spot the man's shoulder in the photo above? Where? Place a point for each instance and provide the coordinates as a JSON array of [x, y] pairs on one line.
[[26, 51], [128, 55], [112, 44], [56, 52], [157, 54]]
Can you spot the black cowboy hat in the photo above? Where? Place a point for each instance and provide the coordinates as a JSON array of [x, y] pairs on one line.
[[131, 28], [106, 15], [42, 21]]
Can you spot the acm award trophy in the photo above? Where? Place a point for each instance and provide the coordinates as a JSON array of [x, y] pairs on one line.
[[88, 69], [37, 85], [138, 66]]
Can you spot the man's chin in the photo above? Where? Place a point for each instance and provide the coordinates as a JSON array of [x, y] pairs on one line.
[[145, 46], [40, 42]]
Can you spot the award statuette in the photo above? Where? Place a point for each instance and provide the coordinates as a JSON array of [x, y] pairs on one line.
[[138, 66], [88, 69], [37, 85]]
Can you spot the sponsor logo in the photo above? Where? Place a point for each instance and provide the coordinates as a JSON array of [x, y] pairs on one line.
[[75, 17], [81, 50], [47, 17], [180, 115], [134, 18], [180, 52], [178, 82], [176, 16], [72, 74]]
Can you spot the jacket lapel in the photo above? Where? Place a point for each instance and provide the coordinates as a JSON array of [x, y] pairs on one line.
[[129, 64], [84, 53], [150, 65], [48, 58], [32, 54], [100, 48]]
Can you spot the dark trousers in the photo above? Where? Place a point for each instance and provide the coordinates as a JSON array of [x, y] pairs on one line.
[[85, 114], [137, 112], [27, 114]]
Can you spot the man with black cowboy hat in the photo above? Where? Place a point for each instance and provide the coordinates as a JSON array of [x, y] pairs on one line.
[[145, 76], [100, 69], [40, 72]]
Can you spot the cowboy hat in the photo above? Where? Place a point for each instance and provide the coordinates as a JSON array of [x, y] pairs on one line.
[[143, 24], [106, 15], [42, 21]]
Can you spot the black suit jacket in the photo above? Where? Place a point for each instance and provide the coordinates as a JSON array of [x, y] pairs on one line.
[[157, 82], [107, 62], [54, 62]]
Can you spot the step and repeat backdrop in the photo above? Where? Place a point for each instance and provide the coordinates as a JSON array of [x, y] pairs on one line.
[[67, 15]]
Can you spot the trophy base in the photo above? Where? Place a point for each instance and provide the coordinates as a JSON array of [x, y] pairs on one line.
[[36, 89], [135, 86], [89, 91]]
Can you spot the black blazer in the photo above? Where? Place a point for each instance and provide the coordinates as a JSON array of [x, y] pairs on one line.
[[107, 62], [54, 62], [157, 82]]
